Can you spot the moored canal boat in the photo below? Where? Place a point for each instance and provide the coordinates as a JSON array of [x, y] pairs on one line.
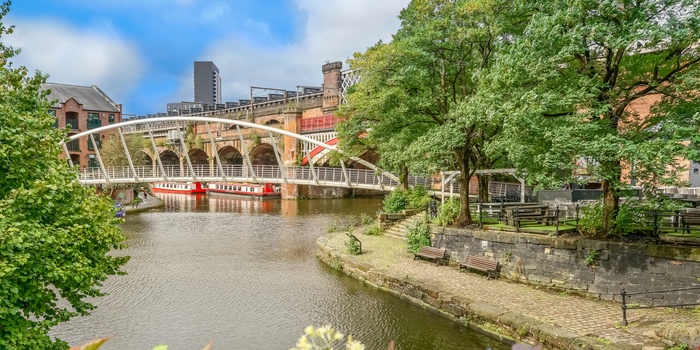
[[267, 190], [178, 187]]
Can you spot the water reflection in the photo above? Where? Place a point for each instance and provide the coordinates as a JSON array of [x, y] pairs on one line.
[[248, 278], [202, 203]]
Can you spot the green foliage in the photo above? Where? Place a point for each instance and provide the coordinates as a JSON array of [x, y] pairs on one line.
[[591, 221], [255, 138], [590, 258], [572, 83], [191, 138], [373, 230], [366, 219], [417, 103], [418, 197], [353, 244], [55, 235], [398, 199], [395, 201], [448, 212], [113, 155], [417, 235]]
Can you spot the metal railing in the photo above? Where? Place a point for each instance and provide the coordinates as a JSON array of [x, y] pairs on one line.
[[626, 307], [319, 176]]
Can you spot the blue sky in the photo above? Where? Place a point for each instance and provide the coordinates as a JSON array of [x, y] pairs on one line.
[[141, 52]]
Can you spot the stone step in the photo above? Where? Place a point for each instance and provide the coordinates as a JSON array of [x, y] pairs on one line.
[[399, 229]]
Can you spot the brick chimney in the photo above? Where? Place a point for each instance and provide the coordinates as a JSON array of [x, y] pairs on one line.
[[331, 85]]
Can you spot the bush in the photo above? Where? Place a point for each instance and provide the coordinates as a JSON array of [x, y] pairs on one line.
[[353, 244], [448, 212], [591, 222], [395, 201], [418, 197], [398, 200], [374, 230], [366, 219], [417, 235]]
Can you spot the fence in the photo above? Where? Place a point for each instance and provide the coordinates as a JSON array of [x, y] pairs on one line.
[[625, 306]]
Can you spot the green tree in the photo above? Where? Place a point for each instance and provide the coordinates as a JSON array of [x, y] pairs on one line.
[[113, 155], [575, 86], [417, 100], [55, 235]]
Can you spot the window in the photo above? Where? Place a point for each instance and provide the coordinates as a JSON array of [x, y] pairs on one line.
[[695, 171], [94, 120], [52, 112], [111, 118], [92, 162]]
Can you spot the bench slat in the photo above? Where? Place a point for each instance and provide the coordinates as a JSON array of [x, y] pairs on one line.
[[431, 253], [481, 264]]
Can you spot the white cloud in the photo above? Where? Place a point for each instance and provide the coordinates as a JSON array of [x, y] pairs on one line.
[[80, 57], [334, 30]]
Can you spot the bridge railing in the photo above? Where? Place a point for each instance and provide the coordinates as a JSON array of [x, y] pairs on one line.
[[257, 173]]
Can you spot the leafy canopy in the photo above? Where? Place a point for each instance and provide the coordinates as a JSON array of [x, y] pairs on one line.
[[605, 85], [55, 235]]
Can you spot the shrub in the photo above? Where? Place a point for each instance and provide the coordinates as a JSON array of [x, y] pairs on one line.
[[448, 212], [373, 230], [395, 201], [591, 222], [366, 219], [353, 245], [417, 235], [418, 197]]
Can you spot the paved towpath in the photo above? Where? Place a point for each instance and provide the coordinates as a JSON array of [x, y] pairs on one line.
[[596, 323]]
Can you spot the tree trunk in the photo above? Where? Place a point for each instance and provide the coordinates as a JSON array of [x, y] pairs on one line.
[[465, 217], [483, 188], [611, 198], [403, 177]]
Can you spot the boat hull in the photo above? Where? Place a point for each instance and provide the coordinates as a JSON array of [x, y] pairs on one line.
[[178, 187]]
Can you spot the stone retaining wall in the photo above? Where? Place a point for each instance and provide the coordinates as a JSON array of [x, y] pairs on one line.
[[480, 316], [386, 220], [592, 267]]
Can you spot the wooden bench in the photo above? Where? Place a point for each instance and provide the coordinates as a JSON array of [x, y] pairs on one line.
[[535, 214], [429, 252], [689, 218], [490, 267]]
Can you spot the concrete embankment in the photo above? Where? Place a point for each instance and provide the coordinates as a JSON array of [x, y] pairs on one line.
[[150, 203], [512, 311]]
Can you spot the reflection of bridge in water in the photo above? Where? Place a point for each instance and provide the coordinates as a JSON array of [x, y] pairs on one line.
[[203, 203]]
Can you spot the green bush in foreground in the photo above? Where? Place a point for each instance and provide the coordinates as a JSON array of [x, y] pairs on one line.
[[448, 212], [398, 200], [417, 235]]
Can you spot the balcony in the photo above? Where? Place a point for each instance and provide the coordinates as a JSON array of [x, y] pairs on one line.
[[73, 122]]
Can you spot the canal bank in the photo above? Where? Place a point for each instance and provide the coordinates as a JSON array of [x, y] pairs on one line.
[[150, 203], [511, 310]]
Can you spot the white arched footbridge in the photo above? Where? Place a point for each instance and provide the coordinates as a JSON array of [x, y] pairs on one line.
[[371, 178]]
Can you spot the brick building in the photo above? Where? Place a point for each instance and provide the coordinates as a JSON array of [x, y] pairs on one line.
[[83, 108]]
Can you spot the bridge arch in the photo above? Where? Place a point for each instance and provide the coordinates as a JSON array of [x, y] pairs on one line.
[[230, 155], [263, 154], [198, 156], [170, 157]]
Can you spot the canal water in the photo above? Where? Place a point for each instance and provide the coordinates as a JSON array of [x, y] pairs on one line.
[[243, 273]]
